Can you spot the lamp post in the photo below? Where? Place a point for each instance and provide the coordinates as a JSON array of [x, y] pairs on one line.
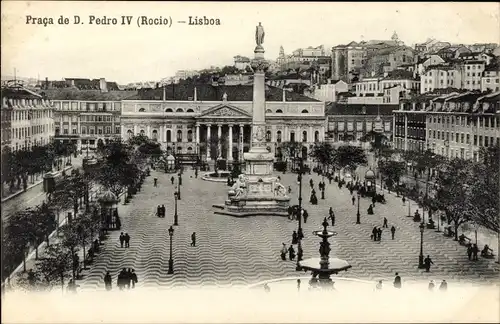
[[358, 221], [170, 260], [179, 183], [175, 209], [421, 256], [299, 244]]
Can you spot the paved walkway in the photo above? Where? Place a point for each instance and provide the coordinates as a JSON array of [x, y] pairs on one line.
[[242, 251]]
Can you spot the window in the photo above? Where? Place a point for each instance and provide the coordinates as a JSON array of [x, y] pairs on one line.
[[84, 130], [91, 130], [475, 140], [278, 136], [190, 110], [155, 135], [73, 131], [279, 111], [99, 131], [169, 110], [117, 129], [304, 136], [169, 135], [179, 136], [190, 136], [65, 131], [108, 129], [179, 110], [305, 111], [316, 136], [142, 132], [480, 140], [456, 137], [292, 136], [142, 110], [467, 139]]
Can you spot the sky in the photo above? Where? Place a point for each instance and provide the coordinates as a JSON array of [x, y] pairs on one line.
[[130, 53]]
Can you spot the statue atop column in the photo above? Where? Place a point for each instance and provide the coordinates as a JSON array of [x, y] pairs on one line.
[[259, 35]]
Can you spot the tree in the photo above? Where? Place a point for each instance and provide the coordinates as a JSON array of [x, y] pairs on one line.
[[453, 195], [71, 241], [55, 264], [392, 171], [323, 153], [291, 148], [349, 157]]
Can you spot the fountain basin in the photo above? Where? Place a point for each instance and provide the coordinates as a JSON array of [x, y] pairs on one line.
[[335, 265], [220, 176]]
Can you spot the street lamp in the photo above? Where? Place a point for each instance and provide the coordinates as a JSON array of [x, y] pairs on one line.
[[170, 260], [299, 244], [421, 256], [179, 182], [358, 221], [175, 209]]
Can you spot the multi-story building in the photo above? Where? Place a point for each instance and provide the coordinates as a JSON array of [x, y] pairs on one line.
[[487, 58], [483, 47], [328, 92], [409, 123], [453, 52], [472, 71], [241, 62], [491, 78], [349, 123], [186, 117], [386, 60], [440, 77], [347, 60], [429, 46], [305, 59], [31, 121], [458, 125], [86, 118]]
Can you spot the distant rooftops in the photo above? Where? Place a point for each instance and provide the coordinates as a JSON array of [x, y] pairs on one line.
[[334, 108]]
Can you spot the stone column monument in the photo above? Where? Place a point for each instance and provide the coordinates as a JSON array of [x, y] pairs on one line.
[[257, 191]]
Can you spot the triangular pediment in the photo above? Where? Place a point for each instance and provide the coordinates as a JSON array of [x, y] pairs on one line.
[[225, 110]]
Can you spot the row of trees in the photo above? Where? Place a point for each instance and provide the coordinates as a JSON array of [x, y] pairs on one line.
[[18, 166], [120, 166]]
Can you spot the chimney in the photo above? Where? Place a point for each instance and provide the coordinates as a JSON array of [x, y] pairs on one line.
[[46, 83], [164, 92], [103, 85], [195, 94]]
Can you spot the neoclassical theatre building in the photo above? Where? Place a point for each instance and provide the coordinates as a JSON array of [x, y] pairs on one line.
[[189, 118]]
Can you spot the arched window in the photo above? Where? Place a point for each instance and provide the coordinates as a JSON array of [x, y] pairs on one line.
[[279, 111], [155, 135], [169, 110], [292, 136], [143, 132], [179, 136], [179, 149], [305, 111], [190, 110], [304, 136], [268, 136], [190, 135], [179, 110], [169, 136], [142, 110], [269, 111], [316, 136], [190, 149], [304, 152], [268, 149], [278, 136]]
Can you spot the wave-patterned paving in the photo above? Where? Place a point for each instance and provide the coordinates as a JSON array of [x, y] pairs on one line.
[[241, 251]]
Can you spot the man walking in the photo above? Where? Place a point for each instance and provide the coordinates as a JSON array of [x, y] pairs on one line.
[[155, 182], [397, 281], [127, 240], [122, 239], [393, 231], [385, 223], [193, 239], [353, 200], [427, 263], [163, 211], [172, 179]]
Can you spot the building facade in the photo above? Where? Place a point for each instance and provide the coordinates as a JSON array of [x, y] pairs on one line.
[[409, 123], [220, 112], [349, 123], [31, 118], [491, 78]]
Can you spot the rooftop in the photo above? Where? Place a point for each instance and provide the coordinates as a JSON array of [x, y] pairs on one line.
[[207, 92], [19, 93], [90, 95], [334, 108]]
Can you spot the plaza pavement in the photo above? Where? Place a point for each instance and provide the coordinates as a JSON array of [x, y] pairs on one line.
[[233, 251]]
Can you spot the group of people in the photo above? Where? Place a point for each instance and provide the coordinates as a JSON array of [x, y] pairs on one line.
[[124, 240], [161, 211], [126, 279], [377, 231], [291, 251], [398, 284], [294, 213]]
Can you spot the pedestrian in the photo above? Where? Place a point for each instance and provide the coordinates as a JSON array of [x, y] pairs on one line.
[[300, 234], [385, 223], [294, 237], [443, 286], [373, 201], [122, 239], [475, 250], [393, 231], [431, 285], [379, 285], [306, 215], [298, 284], [172, 179], [330, 211], [427, 263], [353, 200], [291, 253], [163, 211], [379, 234], [120, 282], [289, 189], [404, 200], [300, 252], [332, 218], [397, 281], [469, 251], [374, 233], [196, 173], [127, 240], [155, 182], [193, 239], [107, 281], [134, 278], [128, 278], [290, 211], [158, 211], [284, 250]]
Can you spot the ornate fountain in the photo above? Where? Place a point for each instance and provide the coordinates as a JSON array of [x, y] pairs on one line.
[[324, 266]]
